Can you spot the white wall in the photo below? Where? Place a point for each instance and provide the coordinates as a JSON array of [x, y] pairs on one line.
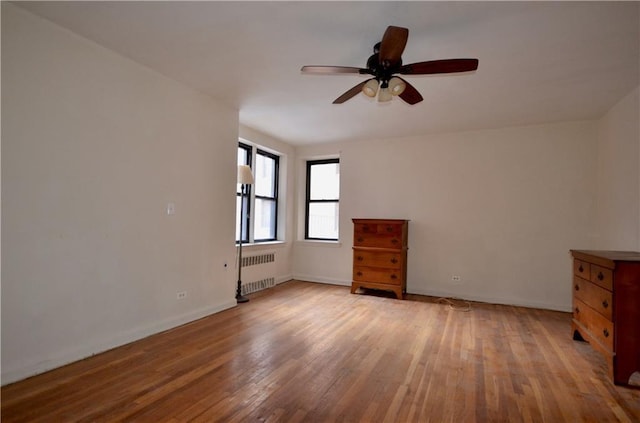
[[319, 261], [94, 146], [283, 248], [618, 199], [501, 208]]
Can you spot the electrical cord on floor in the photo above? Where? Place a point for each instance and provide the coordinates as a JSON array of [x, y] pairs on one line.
[[455, 304]]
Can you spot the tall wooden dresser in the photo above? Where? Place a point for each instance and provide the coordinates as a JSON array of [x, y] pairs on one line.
[[606, 307], [380, 255]]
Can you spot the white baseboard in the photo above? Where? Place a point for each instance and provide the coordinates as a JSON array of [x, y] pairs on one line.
[[69, 356], [282, 279], [434, 293], [495, 300], [321, 279]]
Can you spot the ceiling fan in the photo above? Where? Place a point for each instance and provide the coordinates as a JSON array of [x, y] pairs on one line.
[[385, 63]]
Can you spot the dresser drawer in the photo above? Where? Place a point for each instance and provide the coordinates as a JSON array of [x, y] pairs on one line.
[[377, 240], [389, 260], [598, 326], [377, 275], [594, 296], [582, 269], [373, 228], [602, 276]]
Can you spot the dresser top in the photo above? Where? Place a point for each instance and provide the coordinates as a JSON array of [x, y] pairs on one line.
[[366, 220], [606, 255]]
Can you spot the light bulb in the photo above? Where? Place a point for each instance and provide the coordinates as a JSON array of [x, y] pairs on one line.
[[384, 95], [396, 86], [370, 89]]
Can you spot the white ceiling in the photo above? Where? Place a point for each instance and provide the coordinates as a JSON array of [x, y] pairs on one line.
[[539, 61]]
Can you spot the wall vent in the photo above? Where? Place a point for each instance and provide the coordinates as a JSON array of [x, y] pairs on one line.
[[248, 288], [258, 259]]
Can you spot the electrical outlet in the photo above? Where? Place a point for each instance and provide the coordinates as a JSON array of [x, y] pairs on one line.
[[456, 278], [181, 295]]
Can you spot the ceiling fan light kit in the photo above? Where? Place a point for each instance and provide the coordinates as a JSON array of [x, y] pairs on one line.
[[397, 85], [385, 62], [370, 88], [384, 95]]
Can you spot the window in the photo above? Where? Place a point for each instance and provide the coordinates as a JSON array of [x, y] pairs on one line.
[[266, 197], [323, 197], [244, 158], [261, 197]]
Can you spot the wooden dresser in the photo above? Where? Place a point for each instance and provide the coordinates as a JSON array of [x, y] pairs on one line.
[[606, 307], [380, 255]]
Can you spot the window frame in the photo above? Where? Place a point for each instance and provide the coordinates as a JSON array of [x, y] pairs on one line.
[[276, 181], [247, 208], [252, 150], [308, 199]]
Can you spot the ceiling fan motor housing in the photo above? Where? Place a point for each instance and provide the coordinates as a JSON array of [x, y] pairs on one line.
[[382, 71]]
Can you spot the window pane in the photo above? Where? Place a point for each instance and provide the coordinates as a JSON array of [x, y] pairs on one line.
[[323, 220], [265, 175], [325, 182], [244, 155], [264, 219], [245, 228]]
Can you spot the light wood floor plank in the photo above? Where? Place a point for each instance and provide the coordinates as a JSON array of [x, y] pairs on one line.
[[304, 352]]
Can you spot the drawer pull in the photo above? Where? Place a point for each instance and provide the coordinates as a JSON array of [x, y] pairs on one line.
[[580, 269], [605, 304], [394, 277], [359, 258], [577, 287], [360, 239], [605, 333], [359, 273], [577, 310], [394, 260], [600, 276], [389, 228], [394, 241], [365, 228]]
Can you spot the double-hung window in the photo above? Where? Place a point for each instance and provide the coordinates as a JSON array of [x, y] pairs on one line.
[[261, 199], [244, 158], [323, 199], [265, 224]]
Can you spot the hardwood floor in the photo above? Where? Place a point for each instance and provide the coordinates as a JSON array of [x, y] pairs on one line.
[[305, 352]]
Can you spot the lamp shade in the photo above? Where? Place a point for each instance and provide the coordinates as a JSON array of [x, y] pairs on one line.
[[396, 86], [370, 89], [384, 95], [245, 176]]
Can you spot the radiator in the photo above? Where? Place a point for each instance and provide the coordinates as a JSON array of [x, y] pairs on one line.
[[258, 259], [258, 272], [248, 288]]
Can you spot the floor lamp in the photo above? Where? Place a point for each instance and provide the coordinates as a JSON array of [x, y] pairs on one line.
[[245, 177]]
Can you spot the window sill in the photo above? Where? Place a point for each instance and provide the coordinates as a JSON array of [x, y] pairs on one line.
[[266, 244], [318, 243]]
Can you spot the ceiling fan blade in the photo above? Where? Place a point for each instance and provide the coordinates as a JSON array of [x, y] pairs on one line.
[[392, 45], [333, 69], [439, 66], [351, 93], [410, 94]]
